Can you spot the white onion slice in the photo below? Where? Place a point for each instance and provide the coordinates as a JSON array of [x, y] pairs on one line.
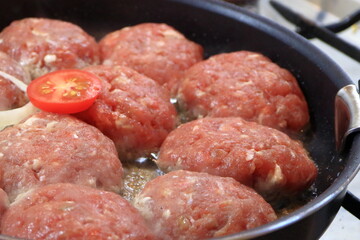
[[14, 116], [15, 81]]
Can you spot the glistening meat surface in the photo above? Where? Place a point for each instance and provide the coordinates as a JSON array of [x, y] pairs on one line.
[[43, 45], [67, 211], [189, 206], [156, 50], [132, 109], [51, 148], [243, 84], [255, 155]]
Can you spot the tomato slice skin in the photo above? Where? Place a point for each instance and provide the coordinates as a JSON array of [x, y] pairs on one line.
[[64, 91]]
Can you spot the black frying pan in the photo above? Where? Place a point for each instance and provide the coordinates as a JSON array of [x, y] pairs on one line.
[[221, 27]]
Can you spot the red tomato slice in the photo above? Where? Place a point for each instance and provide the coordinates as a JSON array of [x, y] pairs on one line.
[[64, 91]]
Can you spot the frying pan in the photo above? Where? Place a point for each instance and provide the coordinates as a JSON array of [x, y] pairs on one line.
[[222, 27]]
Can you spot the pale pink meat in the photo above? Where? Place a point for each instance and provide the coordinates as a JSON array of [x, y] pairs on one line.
[[67, 211], [243, 84], [156, 50], [10, 95], [132, 109], [43, 45], [189, 206], [258, 156], [50, 148]]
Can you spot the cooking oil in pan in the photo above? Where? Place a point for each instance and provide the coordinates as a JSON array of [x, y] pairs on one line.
[[144, 169], [137, 174]]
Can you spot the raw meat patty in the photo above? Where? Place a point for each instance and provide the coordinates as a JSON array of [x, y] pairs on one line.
[[189, 205], [10, 95], [244, 84], [132, 110], [67, 211], [50, 148], [155, 50], [255, 155], [44, 45]]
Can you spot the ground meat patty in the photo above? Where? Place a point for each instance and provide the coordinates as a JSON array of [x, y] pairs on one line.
[[44, 45], [50, 148], [189, 205], [155, 50], [133, 110], [67, 211], [255, 155], [10, 95], [244, 84]]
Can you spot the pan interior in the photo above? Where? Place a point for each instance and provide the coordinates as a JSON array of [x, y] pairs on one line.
[[218, 28]]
